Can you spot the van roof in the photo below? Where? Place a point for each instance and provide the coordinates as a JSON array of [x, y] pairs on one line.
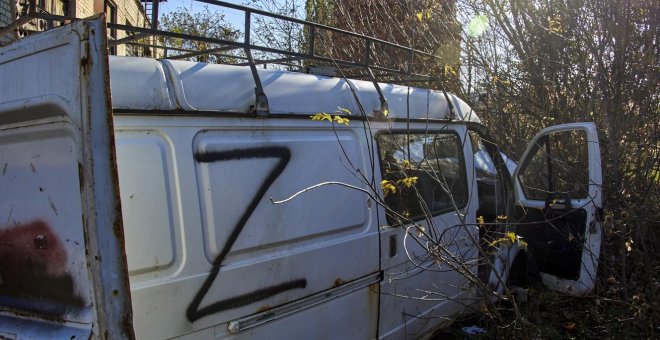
[[146, 84]]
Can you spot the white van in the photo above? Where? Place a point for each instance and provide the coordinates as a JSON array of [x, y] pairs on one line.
[[149, 198]]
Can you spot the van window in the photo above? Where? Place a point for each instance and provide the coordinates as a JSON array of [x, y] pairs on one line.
[[559, 164], [489, 182], [426, 170]]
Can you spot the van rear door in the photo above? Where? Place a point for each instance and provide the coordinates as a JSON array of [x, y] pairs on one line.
[[558, 189], [62, 263]]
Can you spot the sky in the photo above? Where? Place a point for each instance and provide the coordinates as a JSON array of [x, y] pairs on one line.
[[235, 18]]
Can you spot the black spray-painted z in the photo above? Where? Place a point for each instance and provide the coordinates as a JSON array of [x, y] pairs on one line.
[[194, 311]]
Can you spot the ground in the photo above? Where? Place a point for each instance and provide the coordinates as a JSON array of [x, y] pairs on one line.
[[550, 315]]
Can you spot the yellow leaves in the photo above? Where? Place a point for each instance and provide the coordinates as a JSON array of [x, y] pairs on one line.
[[344, 110], [554, 25], [336, 118], [509, 239], [321, 116], [386, 112], [391, 187], [481, 220], [449, 71], [387, 187], [497, 80], [510, 236], [406, 164], [421, 16], [501, 218], [407, 182], [341, 120]]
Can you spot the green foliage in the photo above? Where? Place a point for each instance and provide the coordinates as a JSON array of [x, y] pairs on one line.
[[205, 23]]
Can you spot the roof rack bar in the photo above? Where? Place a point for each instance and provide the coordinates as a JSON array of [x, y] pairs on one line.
[[128, 39], [312, 35], [250, 47], [311, 24], [14, 25], [203, 52], [309, 53], [272, 61], [154, 14], [383, 102], [162, 47], [261, 101]]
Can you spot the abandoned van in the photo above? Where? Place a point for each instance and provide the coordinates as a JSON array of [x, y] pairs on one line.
[[165, 199]]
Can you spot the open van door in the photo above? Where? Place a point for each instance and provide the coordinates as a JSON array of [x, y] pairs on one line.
[[62, 264], [558, 190]]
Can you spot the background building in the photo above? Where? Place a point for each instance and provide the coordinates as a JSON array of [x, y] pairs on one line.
[[125, 12]]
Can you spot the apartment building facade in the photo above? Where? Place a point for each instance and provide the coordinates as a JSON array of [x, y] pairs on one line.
[[125, 12]]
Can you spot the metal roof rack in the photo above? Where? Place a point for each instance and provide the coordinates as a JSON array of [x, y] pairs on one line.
[[370, 70]]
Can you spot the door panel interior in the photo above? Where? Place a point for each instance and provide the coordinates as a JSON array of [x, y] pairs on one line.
[[558, 196]]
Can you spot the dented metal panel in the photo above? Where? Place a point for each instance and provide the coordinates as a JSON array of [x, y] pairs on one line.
[[59, 216]]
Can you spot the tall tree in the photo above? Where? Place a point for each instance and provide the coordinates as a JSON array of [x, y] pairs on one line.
[[429, 26], [557, 61], [205, 23]]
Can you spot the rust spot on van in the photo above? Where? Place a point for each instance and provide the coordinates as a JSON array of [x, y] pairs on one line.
[[264, 308], [84, 63], [81, 177], [338, 282]]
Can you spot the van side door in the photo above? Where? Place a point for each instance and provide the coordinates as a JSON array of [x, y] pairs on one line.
[[558, 190], [62, 264], [429, 236]]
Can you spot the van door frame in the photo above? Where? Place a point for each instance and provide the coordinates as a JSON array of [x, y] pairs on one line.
[[80, 105], [592, 205]]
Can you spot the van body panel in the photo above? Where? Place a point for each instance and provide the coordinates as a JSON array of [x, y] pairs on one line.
[[188, 86], [62, 261], [140, 84], [319, 321], [257, 255], [420, 292]]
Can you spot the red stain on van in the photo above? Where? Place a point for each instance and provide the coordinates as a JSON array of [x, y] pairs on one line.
[[33, 266]]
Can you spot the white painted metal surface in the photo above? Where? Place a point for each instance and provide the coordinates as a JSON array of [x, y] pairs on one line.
[[138, 83], [58, 199], [418, 295], [188, 184], [192, 180], [594, 200]]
